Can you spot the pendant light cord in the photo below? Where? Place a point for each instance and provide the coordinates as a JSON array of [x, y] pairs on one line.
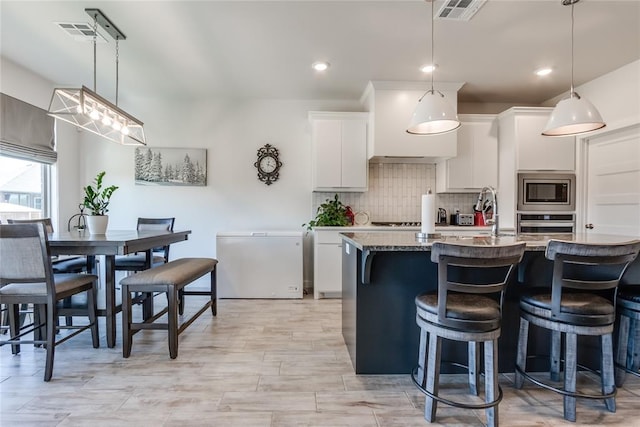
[[572, 24], [117, 65], [433, 66], [95, 35]]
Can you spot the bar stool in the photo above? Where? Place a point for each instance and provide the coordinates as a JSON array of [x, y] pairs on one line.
[[628, 349], [581, 301], [467, 307]]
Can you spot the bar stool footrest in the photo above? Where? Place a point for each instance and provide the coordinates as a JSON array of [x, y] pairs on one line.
[[454, 403], [562, 391]]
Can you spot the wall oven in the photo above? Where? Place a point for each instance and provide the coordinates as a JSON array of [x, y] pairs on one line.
[[546, 223], [546, 192]]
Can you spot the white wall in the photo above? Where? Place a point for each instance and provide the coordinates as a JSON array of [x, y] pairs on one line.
[[616, 95], [230, 130], [234, 199]]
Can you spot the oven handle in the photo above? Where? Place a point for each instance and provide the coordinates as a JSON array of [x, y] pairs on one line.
[[545, 224]]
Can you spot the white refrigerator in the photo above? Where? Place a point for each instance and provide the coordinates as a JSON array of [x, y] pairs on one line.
[[259, 264]]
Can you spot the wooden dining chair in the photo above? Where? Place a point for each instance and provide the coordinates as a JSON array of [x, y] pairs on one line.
[[73, 264], [138, 261], [142, 260], [27, 277], [64, 265]]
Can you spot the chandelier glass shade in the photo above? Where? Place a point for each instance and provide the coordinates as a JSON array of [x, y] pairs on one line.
[[87, 110]]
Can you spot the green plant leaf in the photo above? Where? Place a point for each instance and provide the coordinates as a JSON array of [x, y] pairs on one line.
[[330, 213], [97, 199]]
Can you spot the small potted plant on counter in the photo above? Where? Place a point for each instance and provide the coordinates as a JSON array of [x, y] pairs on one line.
[[330, 213], [97, 199]]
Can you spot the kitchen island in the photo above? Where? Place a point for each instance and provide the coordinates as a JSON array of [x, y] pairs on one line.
[[383, 272]]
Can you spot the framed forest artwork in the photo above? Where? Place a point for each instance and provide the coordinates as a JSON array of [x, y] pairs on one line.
[[171, 166]]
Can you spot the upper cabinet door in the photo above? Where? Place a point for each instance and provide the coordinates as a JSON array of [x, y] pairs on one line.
[[339, 151], [354, 153], [537, 152], [327, 144], [476, 164]]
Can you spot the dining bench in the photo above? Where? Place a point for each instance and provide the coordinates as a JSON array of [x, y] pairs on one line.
[[170, 278]]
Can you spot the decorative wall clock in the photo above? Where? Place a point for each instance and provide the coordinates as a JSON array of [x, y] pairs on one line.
[[268, 164]]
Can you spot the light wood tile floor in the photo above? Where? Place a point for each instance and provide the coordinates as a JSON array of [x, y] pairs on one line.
[[258, 363]]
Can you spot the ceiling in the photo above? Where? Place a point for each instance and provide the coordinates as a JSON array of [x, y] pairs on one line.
[[264, 49]]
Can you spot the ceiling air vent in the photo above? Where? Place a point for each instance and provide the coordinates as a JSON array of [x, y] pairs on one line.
[[459, 10], [80, 31]]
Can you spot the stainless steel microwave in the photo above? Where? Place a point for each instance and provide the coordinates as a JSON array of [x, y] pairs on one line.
[[546, 192]]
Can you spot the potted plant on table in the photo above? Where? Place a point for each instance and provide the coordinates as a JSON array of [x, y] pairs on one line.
[[97, 199]]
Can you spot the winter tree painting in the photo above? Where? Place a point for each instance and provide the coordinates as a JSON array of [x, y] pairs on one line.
[[171, 166]]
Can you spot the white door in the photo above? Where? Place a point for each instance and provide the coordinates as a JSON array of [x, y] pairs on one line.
[[613, 182]]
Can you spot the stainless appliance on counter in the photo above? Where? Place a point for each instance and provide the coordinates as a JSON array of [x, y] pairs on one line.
[[465, 219], [442, 216]]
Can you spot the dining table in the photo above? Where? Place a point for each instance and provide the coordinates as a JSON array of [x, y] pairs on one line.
[[114, 242]]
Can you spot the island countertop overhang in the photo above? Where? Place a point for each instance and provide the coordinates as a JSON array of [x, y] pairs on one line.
[[406, 241]]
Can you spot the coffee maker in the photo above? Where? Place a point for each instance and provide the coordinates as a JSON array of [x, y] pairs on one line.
[[442, 216]]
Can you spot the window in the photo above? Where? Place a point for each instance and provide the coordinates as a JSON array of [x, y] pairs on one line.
[[24, 189]]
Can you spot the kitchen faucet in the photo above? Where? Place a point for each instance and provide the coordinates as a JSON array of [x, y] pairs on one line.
[[494, 206]]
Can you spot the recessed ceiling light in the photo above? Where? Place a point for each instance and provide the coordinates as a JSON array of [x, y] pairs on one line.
[[543, 71], [428, 68], [320, 66]]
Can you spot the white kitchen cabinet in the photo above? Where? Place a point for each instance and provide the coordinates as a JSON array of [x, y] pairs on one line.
[[327, 263], [476, 164], [339, 142], [391, 104], [521, 147], [522, 127]]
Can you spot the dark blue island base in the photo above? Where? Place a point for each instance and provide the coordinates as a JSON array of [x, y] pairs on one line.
[[378, 318]]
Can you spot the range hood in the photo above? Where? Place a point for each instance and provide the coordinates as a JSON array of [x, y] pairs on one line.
[[391, 104]]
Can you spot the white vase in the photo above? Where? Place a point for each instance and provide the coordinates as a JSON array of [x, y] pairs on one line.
[[97, 224]]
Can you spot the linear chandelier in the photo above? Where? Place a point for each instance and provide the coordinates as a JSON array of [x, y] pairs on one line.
[[433, 114], [573, 115], [86, 109]]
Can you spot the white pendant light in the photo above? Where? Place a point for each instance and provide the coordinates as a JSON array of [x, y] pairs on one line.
[[433, 114], [574, 115], [86, 109]]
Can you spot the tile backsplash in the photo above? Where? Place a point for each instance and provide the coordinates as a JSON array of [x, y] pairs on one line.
[[395, 193]]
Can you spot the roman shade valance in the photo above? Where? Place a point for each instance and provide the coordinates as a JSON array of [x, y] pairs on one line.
[[26, 131]]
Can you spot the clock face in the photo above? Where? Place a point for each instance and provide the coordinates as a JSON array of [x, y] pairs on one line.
[[268, 164]]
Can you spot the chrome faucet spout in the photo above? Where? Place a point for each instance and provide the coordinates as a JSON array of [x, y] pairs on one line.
[[495, 230]]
